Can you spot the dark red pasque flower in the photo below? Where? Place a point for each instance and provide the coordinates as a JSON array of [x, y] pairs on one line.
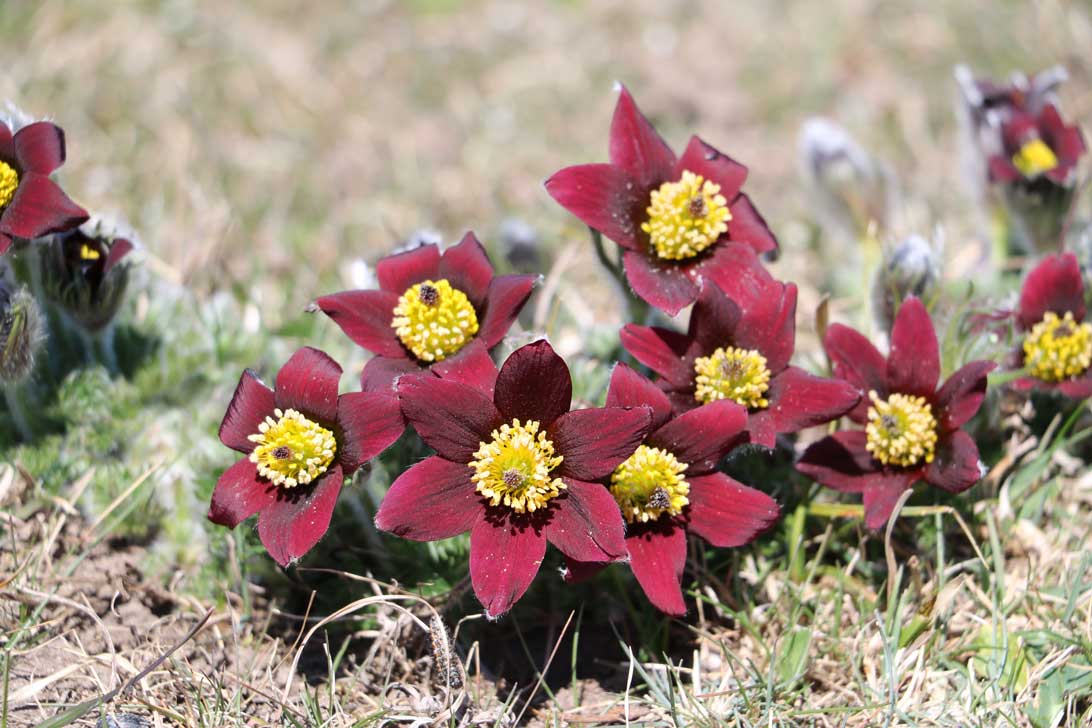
[[1037, 147], [514, 467], [672, 215], [301, 441], [738, 348], [912, 428], [31, 204], [429, 306], [85, 272], [1056, 349], [670, 487]]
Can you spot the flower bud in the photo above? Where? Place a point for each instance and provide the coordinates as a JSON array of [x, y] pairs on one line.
[[910, 268], [85, 272], [521, 244], [22, 332]]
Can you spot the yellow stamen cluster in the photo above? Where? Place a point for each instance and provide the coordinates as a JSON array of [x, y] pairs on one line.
[[292, 450], [686, 217], [740, 375], [649, 484], [89, 253], [514, 468], [901, 430], [434, 320], [9, 182], [1058, 348], [1035, 158]]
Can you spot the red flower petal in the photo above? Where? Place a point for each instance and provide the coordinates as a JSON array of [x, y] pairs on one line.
[[596, 441], [714, 322], [635, 145], [749, 227], [381, 372], [467, 268], [365, 317], [534, 384], [1001, 169], [434, 499], [769, 326], [881, 496], [239, 494], [913, 366], [962, 394], [665, 285], [452, 418], [840, 461], [661, 350], [308, 383], [701, 158], [702, 436], [657, 557], [398, 272], [1078, 388], [955, 466], [7, 144], [5, 241], [38, 208], [298, 517], [249, 406], [118, 250], [727, 513], [506, 298], [858, 362], [370, 423], [586, 523], [504, 558], [630, 389], [738, 272], [605, 198], [1053, 285], [471, 366], [799, 400], [39, 147]]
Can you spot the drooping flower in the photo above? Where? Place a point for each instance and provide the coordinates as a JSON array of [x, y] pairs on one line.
[[1056, 349], [86, 272], [300, 440], [429, 306], [32, 204], [670, 487], [514, 467], [671, 215], [912, 429], [1037, 148], [738, 348]]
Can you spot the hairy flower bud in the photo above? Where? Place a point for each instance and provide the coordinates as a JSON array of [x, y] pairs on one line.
[[85, 272], [22, 332], [910, 268]]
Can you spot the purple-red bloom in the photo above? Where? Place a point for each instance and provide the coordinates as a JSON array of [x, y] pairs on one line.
[[670, 487], [912, 427], [514, 467], [301, 440], [31, 204], [1056, 350], [84, 271], [428, 308], [738, 348], [1037, 146], [672, 215]]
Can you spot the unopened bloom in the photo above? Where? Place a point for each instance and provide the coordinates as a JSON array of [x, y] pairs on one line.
[[910, 268], [672, 215], [514, 467], [738, 348], [22, 331], [670, 487], [912, 428], [86, 272], [32, 204], [300, 441], [428, 308]]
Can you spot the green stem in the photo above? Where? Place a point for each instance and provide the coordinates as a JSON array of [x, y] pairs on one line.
[[637, 309]]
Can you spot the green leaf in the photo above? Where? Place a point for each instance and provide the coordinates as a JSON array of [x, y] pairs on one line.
[[793, 659]]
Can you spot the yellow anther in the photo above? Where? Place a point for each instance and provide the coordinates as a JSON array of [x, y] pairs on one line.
[[686, 217], [1058, 348], [434, 320], [89, 253], [292, 450], [514, 467], [1035, 158], [9, 182], [649, 484], [740, 375], [901, 430]]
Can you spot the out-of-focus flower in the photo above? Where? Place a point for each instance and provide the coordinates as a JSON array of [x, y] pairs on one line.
[[86, 271], [22, 332], [1056, 349], [910, 268], [670, 487], [429, 306], [522, 247], [300, 441], [515, 468], [673, 216], [32, 204], [1037, 147], [912, 429], [738, 348], [985, 104]]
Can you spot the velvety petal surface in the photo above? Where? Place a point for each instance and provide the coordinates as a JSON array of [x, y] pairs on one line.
[[727, 513], [398, 272], [749, 227], [467, 268], [596, 441], [249, 406], [534, 384], [506, 297], [308, 383], [913, 366], [370, 423], [636, 146], [118, 250], [657, 557], [858, 362], [955, 466], [365, 317], [297, 518], [432, 500], [881, 497], [1053, 285], [452, 418], [769, 326], [962, 393], [38, 208], [799, 400], [471, 366], [39, 147], [504, 558], [702, 436], [586, 524], [381, 372], [665, 285], [1078, 387], [840, 461], [605, 198], [629, 389], [239, 494], [661, 350], [701, 158]]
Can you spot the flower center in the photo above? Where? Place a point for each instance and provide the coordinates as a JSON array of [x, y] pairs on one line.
[[514, 468], [730, 373], [9, 182], [1035, 158], [292, 450], [901, 430], [1058, 348], [686, 217], [650, 484], [434, 320], [89, 253]]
